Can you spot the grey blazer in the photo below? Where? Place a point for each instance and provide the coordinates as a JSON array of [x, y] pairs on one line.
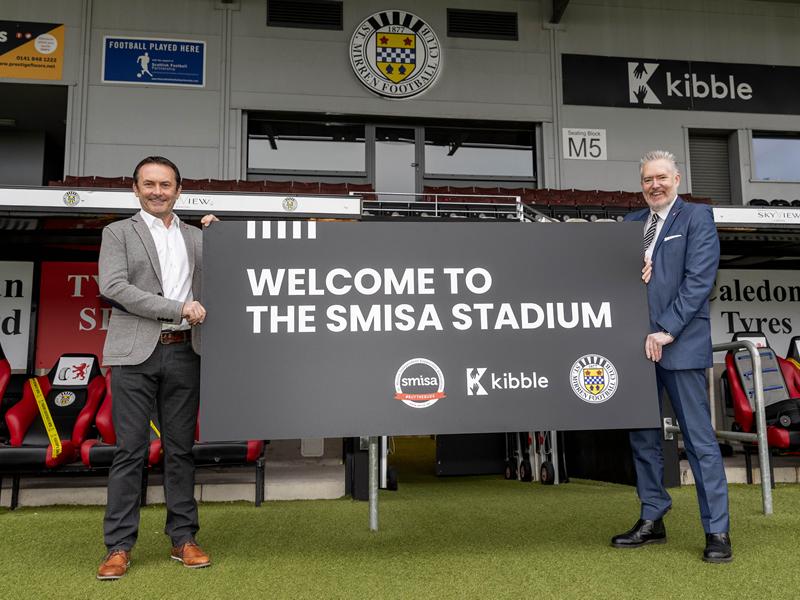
[[130, 280]]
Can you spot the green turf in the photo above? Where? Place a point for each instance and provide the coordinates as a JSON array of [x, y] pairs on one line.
[[470, 537]]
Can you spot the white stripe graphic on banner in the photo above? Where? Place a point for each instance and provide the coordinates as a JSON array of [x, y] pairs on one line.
[[312, 230], [266, 230], [281, 230], [251, 230], [297, 232]]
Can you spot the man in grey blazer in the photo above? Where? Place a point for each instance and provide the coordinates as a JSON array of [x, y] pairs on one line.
[[150, 271]]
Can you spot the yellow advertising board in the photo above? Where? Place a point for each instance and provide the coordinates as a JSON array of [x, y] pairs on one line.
[[31, 50]]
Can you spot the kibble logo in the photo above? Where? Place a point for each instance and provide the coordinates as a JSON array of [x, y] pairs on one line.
[[640, 92], [681, 84], [419, 383], [395, 54], [507, 380], [593, 378], [64, 399], [474, 385]]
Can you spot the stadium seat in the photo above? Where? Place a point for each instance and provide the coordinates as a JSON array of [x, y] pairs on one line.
[[5, 377], [796, 202], [72, 391], [305, 187], [758, 202], [781, 381], [220, 454], [793, 353], [250, 186], [333, 189], [779, 202], [277, 187]]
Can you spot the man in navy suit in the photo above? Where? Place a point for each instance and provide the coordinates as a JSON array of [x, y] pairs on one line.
[[681, 255]]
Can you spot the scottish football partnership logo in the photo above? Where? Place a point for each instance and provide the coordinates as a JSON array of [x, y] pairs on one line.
[[395, 54], [593, 378]]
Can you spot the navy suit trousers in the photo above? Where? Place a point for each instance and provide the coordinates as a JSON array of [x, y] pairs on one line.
[[687, 392]]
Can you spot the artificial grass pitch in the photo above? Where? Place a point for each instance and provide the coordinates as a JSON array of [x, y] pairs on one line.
[[465, 537]]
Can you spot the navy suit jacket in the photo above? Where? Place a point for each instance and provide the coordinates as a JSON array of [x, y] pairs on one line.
[[685, 261]]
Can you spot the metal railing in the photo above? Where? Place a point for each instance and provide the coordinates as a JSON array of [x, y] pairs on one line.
[[760, 437], [416, 204]]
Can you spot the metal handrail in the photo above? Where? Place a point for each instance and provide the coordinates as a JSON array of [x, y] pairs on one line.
[[761, 420]]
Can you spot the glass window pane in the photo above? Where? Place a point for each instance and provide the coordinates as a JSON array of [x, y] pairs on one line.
[[776, 158], [294, 146], [478, 152]]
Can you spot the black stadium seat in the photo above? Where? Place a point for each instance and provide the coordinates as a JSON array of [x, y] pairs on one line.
[[220, 454], [73, 391]]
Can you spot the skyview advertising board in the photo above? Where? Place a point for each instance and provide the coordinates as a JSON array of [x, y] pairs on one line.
[[346, 329]]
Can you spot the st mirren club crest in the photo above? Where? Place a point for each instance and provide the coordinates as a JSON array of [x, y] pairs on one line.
[[593, 378], [395, 54]]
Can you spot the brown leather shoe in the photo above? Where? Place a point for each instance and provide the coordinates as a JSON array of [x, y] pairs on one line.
[[191, 555], [114, 565]]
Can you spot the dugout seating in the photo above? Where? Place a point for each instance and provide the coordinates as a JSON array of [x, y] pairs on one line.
[[781, 381], [73, 391], [227, 454]]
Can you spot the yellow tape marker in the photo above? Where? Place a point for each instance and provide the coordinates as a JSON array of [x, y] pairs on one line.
[[153, 426], [49, 426]]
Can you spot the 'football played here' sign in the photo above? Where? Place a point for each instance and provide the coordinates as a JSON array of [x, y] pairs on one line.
[[154, 61], [345, 329]]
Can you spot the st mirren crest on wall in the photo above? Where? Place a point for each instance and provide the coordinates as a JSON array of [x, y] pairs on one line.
[[395, 54]]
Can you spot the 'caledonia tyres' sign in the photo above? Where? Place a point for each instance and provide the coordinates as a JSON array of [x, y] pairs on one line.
[[348, 329], [395, 54]]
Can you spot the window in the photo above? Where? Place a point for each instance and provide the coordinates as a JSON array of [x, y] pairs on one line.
[[479, 153], [276, 146], [776, 156]]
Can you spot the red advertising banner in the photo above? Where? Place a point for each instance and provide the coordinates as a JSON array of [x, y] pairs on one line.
[[72, 318]]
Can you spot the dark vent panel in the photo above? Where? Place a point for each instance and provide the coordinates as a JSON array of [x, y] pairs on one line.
[[485, 24], [305, 14]]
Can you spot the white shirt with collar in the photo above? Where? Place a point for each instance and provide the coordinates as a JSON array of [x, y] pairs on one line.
[[173, 260], [662, 217]]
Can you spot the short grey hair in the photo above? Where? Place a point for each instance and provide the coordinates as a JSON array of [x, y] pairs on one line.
[[658, 155]]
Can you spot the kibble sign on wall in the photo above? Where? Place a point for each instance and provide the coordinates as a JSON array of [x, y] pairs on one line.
[[339, 329]]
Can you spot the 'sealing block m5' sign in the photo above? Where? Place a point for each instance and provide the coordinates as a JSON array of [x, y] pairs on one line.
[[346, 329]]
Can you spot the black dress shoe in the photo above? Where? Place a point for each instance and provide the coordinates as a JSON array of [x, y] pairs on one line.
[[644, 532], [718, 548]]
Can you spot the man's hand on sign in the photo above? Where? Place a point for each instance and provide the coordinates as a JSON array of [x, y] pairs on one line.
[[193, 312], [208, 220], [647, 270], [654, 343]]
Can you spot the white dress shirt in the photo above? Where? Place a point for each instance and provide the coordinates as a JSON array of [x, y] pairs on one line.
[[173, 260], [662, 217]]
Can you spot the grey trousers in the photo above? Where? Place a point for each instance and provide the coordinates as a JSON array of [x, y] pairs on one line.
[[166, 384]]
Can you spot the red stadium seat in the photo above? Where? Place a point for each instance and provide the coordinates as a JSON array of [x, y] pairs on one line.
[[305, 187], [333, 189], [781, 381], [277, 187], [73, 391]]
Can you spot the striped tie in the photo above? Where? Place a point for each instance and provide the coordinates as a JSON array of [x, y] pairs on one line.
[[651, 232]]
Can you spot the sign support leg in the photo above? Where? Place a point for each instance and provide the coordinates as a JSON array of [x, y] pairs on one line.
[[373, 483]]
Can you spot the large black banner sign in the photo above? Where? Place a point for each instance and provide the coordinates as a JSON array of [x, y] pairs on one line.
[[673, 84], [345, 329]]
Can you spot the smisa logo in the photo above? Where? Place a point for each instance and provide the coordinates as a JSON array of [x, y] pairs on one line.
[[419, 383], [64, 399], [593, 378], [684, 84], [519, 380]]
